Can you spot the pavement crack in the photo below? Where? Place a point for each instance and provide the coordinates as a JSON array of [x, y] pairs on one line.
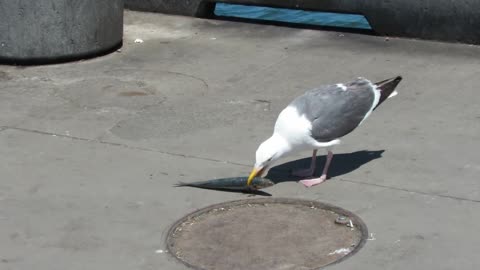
[[190, 76], [204, 82], [122, 145], [3, 128], [244, 79], [411, 191]]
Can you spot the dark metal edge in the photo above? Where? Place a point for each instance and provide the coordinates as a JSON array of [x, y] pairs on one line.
[[63, 59], [322, 205]]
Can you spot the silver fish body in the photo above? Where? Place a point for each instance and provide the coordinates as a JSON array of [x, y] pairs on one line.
[[235, 183]]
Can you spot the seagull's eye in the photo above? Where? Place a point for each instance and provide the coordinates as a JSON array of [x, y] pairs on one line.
[[270, 159]]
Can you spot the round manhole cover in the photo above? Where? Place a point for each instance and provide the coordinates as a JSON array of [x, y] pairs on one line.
[[268, 233]]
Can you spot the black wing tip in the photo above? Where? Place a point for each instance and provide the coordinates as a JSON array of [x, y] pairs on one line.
[[387, 87], [396, 80]]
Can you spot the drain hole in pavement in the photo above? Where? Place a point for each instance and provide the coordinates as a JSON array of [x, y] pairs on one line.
[[267, 233]]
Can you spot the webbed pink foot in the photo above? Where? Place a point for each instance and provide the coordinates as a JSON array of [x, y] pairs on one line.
[[314, 182]]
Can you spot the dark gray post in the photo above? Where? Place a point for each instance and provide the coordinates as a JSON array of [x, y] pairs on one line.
[[50, 31]]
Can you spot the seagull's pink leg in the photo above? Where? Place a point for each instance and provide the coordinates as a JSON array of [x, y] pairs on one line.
[[310, 171], [316, 181]]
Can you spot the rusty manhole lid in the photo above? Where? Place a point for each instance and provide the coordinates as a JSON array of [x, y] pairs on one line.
[[267, 233]]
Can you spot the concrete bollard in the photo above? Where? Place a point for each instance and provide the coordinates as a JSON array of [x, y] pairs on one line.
[[52, 31], [443, 20]]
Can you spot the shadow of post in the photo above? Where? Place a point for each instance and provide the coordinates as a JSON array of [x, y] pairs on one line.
[[341, 164]]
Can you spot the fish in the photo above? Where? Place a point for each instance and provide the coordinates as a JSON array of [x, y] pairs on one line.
[[234, 184]]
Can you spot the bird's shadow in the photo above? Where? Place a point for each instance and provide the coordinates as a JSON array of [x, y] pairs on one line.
[[341, 164]]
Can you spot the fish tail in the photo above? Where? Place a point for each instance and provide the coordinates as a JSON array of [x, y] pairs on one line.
[[181, 184]]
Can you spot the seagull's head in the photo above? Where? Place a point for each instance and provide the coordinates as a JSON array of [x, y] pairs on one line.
[[267, 153]]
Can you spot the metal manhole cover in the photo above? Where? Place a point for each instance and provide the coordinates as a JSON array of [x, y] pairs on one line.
[[267, 233]]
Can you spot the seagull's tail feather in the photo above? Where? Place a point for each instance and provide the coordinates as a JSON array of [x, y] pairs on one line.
[[387, 88]]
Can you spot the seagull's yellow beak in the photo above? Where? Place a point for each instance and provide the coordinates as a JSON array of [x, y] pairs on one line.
[[253, 174]]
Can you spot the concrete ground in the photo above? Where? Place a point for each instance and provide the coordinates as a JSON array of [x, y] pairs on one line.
[[89, 151]]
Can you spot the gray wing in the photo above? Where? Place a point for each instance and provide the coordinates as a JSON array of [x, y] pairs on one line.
[[333, 111]]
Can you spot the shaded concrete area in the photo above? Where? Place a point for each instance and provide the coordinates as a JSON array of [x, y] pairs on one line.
[[429, 20], [90, 150]]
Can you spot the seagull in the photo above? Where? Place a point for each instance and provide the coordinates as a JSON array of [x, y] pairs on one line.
[[318, 119]]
